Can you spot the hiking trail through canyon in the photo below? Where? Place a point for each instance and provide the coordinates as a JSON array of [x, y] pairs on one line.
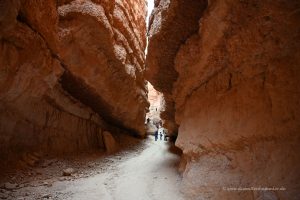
[[148, 172]]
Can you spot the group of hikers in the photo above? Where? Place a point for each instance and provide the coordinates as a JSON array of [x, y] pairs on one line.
[[161, 134]]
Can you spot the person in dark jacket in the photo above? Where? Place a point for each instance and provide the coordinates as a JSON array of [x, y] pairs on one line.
[[161, 135], [156, 135]]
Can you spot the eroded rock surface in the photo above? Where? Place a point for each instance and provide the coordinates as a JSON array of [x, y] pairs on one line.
[[171, 23], [236, 96], [70, 70], [103, 53]]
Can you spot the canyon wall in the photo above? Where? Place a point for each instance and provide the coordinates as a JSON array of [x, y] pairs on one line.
[[234, 84], [156, 101], [70, 70], [170, 24]]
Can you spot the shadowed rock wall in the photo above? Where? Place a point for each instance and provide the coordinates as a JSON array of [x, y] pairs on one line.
[[236, 95], [68, 71], [171, 23]]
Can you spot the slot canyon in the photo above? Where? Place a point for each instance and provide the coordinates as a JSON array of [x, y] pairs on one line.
[[157, 99]]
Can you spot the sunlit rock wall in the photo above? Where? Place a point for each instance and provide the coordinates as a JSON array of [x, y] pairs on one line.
[[68, 71], [237, 99], [157, 105], [156, 101]]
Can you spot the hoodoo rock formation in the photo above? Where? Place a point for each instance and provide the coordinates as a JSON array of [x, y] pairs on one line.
[[230, 72], [69, 71]]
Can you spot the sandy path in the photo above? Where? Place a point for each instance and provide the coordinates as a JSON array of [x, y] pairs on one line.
[[147, 173], [150, 175]]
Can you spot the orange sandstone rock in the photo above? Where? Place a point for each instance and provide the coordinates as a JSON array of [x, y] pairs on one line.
[[67, 70], [236, 97]]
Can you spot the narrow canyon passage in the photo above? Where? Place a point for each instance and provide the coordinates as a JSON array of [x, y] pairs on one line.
[[146, 172], [85, 83]]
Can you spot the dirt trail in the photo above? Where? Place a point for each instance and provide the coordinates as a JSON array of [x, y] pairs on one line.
[[149, 175], [148, 172]]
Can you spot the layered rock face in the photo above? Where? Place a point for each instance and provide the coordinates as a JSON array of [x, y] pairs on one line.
[[69, 70], [236, 97]]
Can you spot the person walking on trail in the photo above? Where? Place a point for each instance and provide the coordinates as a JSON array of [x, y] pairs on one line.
[[160, 135], [156, 135]]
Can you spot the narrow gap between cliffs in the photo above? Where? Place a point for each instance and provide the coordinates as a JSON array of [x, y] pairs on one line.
[[153, 121]]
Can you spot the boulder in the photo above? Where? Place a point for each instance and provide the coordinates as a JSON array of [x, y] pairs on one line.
[[110, 143], [10, 186], [68, 172]]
